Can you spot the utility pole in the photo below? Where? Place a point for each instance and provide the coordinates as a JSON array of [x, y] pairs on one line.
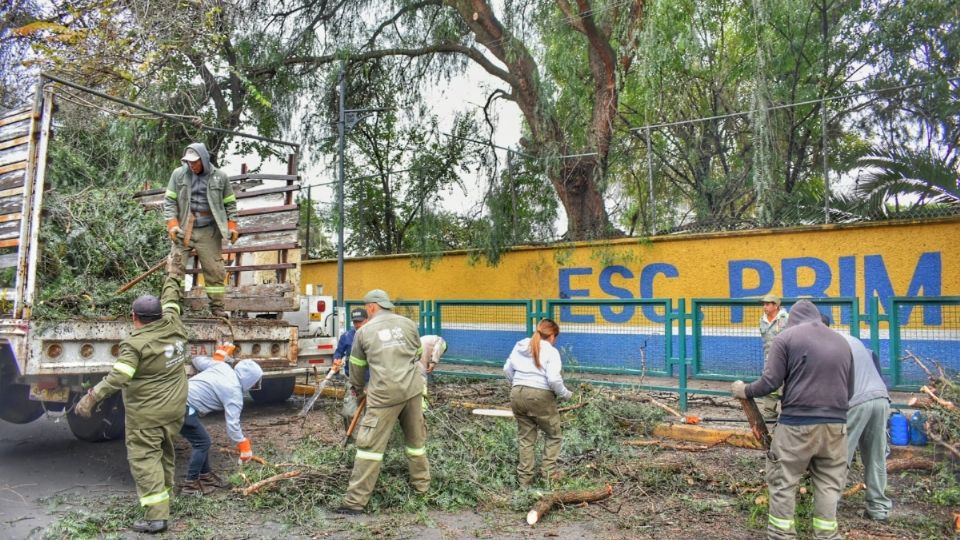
[[346, 119]]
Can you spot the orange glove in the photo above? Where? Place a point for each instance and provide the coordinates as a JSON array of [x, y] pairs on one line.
[[173, 229], [246, 450], [234, 233], [223, 351]]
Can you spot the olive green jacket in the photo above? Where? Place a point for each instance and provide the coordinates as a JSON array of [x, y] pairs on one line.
[[150, 369], [389, 346], [220, 196]]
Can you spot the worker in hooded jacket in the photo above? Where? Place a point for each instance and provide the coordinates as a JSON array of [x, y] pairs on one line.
[[533, 369], [150, 373], [200, 192], [216, 387], [815, 366]]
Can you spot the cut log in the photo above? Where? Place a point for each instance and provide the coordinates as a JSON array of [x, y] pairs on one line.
[[918, 464], [757, 423], [948, 405], [547, 502], [267, 482], [854, 489], [740, 438]]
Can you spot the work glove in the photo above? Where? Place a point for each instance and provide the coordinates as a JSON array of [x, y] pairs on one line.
[[174, 230], [175, 263], [246, 450], [224, 351], [84, 407], [234, 233], [739, 389]]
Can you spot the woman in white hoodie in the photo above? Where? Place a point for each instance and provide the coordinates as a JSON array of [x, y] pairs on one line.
[[533, 370]]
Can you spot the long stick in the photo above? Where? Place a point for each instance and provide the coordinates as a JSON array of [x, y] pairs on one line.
[[126, 287], [757, 423], [356, 418], [566, 497], [334, 369], [253, 488]]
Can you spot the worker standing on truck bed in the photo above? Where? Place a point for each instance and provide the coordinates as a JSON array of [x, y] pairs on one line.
[[387, 345], [215, 387], [201, 193], [150, 373]]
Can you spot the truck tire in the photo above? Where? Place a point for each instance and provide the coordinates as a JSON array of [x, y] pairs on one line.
[[105, 424], [16, 406], [274, 390]]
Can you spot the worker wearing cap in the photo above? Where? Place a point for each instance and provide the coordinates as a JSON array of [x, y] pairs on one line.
[[772, 321], [388, 347], [358, 316], [216, 387], [150, 372], [197, 190]]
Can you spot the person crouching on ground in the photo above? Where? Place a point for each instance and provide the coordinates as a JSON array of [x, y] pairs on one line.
[[533, 370], [216, 387]]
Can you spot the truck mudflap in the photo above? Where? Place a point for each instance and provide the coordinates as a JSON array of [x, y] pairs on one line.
[[78, 348]]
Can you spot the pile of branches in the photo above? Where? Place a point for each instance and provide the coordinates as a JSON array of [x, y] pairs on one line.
[[472, 458], [943, 418]]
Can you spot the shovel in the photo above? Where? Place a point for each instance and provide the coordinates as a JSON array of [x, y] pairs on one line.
[[334, 369]]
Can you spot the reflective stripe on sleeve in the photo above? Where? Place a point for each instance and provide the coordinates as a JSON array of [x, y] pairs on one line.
[[215, 289], [126, 369], [229, 199], [359, 362], [172, 195], [824, 524], [782, 524], [156, 498], [172, 305], [416, 452], [369, 456]]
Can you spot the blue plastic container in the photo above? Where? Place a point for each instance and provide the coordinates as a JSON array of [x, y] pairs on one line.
[[899, 429], [918, 433]]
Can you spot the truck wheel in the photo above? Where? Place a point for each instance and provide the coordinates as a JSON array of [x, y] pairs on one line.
[[16, 406], [274, 390], [106, 422]]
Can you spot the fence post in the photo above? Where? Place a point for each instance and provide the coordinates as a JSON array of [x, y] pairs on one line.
[[855, 317], [682, 352], [894, 341]]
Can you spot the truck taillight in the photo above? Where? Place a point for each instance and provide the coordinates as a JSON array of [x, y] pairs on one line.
[[321, 306]]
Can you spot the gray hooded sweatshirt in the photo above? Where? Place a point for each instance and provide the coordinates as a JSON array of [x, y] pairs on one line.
[[521, 371], [815, 366], [218, 387], [868, 383], [210, 191]]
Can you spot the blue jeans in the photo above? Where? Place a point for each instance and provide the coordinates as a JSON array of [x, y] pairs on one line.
[[194, 432]]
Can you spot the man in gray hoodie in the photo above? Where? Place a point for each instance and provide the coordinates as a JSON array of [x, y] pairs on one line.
[[815, 366], [200, 192], [216, 387]]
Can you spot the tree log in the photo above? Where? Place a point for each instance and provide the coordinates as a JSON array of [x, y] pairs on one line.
[[854, 489], [266, 482], [757, 423], [547, 502], [916, 464], [948, 405]]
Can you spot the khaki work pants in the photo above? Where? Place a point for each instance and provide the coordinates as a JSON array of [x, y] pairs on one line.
[[867, 430], [151, 456], [373, 435], [207, 241], [535, 409], [820, 449]]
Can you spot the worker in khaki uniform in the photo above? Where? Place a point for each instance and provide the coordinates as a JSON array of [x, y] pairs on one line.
[[150, 372], [200, 192], [388, 346], [431, 349], [815, 366], [772, 321]]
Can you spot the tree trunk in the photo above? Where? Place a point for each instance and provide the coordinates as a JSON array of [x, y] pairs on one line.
[[576, 186]]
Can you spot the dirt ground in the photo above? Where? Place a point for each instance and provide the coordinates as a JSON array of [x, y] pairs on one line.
[[49, 482]]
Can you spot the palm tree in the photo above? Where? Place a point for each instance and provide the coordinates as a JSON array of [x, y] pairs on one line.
[[900, 181]]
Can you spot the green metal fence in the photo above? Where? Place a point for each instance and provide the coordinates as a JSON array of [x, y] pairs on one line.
[[618, 342]]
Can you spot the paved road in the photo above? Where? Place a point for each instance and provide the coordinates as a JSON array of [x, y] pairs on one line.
[[42, 465]]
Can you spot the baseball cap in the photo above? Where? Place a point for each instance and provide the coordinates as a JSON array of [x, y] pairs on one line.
[[379, 297], [358, 314], [190, 155], [770, 298], [147, 305]]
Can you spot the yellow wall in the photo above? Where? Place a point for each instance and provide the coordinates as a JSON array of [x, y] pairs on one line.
[[848, 260]]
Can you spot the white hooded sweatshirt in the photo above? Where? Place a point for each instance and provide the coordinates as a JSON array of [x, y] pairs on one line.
[[521, 371]]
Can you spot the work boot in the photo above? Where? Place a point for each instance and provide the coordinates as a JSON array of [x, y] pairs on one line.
[[194, 487], [218, 312], [150, 526], [211, 480]]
